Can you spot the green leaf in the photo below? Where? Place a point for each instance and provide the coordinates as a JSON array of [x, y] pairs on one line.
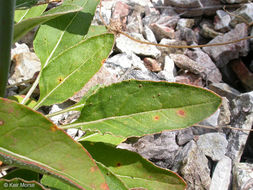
[[113, 182], [21, 28], [20, 184], [24, 174], [69, 56], [92, 136], [29, 13], [70, 71], [55, 183], [30, 141], [132, 169], [18, 98], [136, 108], [24, 4]]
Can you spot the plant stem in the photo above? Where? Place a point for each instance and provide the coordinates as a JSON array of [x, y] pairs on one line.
[[7, 9]]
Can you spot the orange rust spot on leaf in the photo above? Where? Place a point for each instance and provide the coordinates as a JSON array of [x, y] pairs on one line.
[[103, 61], [118, 164], [181, 113], [54, 128], [140, 85], [104, 186], [93, 169], [1, 163], [1, 122], [157, 117]]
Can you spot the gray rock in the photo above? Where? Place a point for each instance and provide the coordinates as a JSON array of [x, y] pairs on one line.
[[18, 49], [241, 117], [224, 90], [149, 35], [222, 21], [225, 114], [169, 70], [162, 31], [165, 51], [184, 136], [221, 178], [24, 67], [223, 54], [194, 168], [244, 12], [212, 120], [213, 145], [208, 68], [185, 23], [125, 61], [243, 176], [128, 46], [159, 148]]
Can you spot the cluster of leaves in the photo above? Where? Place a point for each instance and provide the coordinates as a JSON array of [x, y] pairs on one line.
[[71, 51]]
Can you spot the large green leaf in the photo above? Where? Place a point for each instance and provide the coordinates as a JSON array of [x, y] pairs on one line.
[[113, 181], [136, 108], [69, 56], [29, 140], [21, 28], [132, 169], [29, 13]]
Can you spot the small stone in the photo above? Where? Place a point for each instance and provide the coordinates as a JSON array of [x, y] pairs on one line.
[[222, 174], [149, 35], [244, 12], [225, 114], [184, 136], [165, 51], [207, 29], [18, 49], [185, 23], [169, 71], [24, 67], [162, 31], [243, 176], [190, 78], [241, 117], [223, 54], [207, 68], [152, 64], [128, 46], [224, 90], [194, 168], [213, 145], [222, 20]]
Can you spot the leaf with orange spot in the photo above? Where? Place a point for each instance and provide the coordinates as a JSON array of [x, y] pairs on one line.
[[27, 141], [132, 169], [137, 108]]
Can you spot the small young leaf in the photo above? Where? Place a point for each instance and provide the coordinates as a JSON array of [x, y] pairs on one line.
[[132, 169], [136, 108], [29, 140]]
